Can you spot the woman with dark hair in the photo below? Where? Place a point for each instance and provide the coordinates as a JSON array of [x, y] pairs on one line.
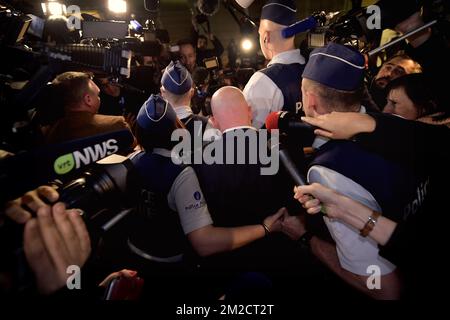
[[414, 242], [172, 215], [411, 97]]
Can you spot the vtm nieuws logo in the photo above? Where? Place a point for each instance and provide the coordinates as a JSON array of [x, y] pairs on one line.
[[75, 160]]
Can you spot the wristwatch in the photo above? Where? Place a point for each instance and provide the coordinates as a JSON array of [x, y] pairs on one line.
[[305, 240]]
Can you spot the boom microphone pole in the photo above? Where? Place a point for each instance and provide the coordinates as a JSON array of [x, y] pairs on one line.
[[403, 37]]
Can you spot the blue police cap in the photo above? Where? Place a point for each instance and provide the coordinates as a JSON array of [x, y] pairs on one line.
[[280, 11], [156, 115], [176, 78], [336, 66]]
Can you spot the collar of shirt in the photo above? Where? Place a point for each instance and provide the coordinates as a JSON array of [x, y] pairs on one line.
[[320, 141], [288, 57], [183, 112], [237, 128]]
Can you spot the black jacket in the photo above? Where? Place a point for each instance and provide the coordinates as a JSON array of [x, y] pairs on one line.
[[419, 243]]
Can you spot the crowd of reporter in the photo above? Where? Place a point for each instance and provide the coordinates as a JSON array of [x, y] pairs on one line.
[[377, 175]]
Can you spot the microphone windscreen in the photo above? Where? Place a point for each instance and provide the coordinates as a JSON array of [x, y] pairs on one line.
[[25, 171], [272, 120]]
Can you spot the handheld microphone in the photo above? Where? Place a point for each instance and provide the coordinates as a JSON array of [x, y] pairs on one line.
[[290, 123], [25, 171], [286, 121], [293, 171], [299, 27], [290, 167]]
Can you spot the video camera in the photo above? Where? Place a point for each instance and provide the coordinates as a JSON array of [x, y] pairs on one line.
[[105, 191], [99, 56], [13, 25], [208, 79], [89, 174], [32, 61], [359, 27], [28, 170]]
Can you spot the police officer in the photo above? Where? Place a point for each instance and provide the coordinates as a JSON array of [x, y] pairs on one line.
[[172, 204], [177, 88], [333, 81], [276, 87]]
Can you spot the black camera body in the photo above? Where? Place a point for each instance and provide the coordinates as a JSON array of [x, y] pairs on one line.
[[352, 27], [13, 25], [106, 193], [102, 191]]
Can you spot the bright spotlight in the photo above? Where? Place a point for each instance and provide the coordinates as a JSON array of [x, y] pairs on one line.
[[53, 8], [117, 6], [246, 44]]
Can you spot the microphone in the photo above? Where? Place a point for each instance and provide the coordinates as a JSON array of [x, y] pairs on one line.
[[293, 170], [282, 120], [290, 167], [25, 171], [290, 123], [286, 121], [300, 26]]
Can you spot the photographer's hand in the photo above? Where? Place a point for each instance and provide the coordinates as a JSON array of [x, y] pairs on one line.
[[20, 210], [54, 240]]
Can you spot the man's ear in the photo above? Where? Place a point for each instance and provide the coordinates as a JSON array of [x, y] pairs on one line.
[[87, 99], [313, 101], [214, 122], [191, 93], [266, 37]]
